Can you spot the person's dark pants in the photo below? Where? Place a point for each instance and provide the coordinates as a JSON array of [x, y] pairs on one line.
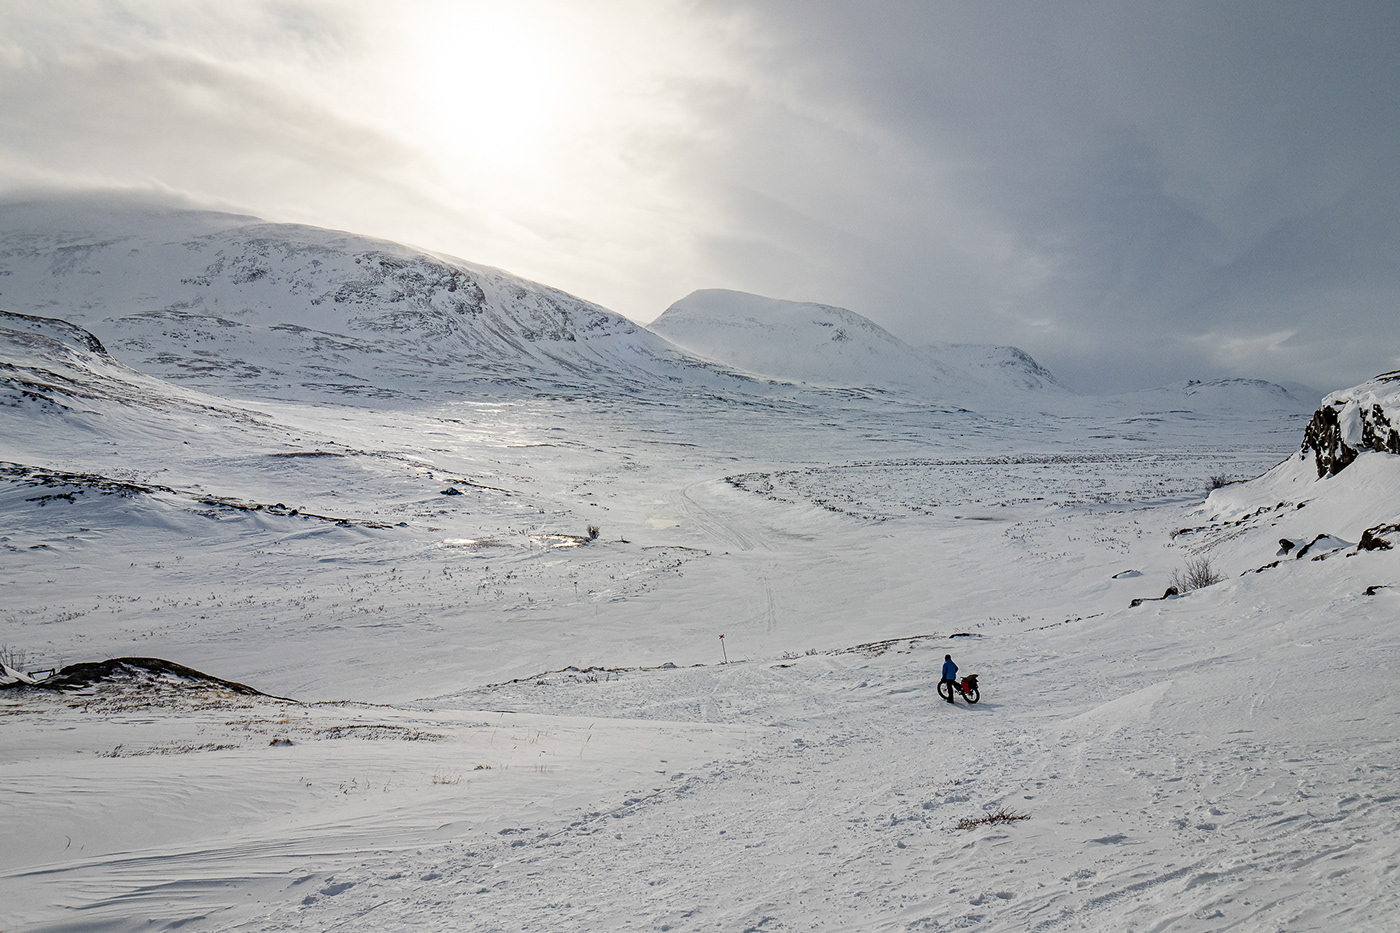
[[952, 688]]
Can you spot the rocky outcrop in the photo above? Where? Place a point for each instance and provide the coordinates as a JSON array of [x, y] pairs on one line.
[[1352, 421]]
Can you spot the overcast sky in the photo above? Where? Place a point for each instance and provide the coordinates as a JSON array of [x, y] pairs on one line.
[[1133, 192]]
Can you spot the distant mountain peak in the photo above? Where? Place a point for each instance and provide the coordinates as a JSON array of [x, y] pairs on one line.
[[826, 345]]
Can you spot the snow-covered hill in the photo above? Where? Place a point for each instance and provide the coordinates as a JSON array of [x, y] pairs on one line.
[[55, 365], [829, 346], [993, 366], [1217, 397], [245, 307]]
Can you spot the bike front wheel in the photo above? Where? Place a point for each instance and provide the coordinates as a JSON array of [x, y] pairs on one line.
[[945, 689]]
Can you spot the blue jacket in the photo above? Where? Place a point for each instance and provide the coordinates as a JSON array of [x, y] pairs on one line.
[[950, 670]]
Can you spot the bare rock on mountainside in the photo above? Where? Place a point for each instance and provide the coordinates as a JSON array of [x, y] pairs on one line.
[[144, 675], [1354, 420]]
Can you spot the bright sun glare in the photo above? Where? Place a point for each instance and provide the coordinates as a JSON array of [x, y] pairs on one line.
[[493, 85]]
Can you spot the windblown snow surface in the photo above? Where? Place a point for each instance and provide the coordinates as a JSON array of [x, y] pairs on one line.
[[475, 716]]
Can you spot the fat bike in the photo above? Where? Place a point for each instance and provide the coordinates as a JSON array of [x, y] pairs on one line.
[[965, 688]]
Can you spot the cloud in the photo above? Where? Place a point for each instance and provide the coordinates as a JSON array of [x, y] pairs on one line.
[[1124, 180], [1135, 193]]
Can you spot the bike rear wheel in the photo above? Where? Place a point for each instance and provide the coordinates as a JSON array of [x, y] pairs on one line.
[[973, 695]]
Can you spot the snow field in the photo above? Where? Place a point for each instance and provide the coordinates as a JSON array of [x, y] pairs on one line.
[[374, 503]]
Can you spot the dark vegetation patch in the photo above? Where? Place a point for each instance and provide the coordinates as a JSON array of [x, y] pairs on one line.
[[136, 673], [121, 751], [76, 484], [379, 731], [998, 818]]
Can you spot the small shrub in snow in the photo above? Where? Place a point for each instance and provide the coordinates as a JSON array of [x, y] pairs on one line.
[[992, 819], [1219, 480], [1197, 573], [14, 658], [593, 532]]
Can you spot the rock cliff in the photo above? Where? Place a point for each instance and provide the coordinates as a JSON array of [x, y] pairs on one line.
[[1354, 420]]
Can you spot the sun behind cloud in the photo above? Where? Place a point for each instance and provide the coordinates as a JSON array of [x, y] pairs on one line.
[[493, 82]]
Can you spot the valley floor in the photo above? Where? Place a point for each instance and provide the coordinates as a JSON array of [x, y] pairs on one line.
[[499, 724]]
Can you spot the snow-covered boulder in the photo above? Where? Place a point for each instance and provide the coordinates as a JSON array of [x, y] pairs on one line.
[[1352, 421]]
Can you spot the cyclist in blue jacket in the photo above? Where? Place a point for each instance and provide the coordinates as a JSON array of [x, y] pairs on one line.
[[950, 675]]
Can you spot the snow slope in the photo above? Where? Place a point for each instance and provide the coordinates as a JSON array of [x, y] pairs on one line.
[[230, 303], [1175, 765], [830, 346], [990, 367], [821, 345], [479, 717]]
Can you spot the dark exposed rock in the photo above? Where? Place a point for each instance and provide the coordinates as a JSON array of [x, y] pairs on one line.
[[1371, 539], [1348, 423], [131, 671], [1171, 593], [1323, 542]]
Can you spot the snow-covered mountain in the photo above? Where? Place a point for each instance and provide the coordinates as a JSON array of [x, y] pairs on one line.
[[1215, 401], [1218, 396], [993, 366], [830, 346], [231, 303]]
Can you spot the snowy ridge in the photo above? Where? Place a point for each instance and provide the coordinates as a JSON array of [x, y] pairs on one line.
[[57, 364], [993, 366], [829, 346], [246, 307], [1218, 395], [1291, 514]]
